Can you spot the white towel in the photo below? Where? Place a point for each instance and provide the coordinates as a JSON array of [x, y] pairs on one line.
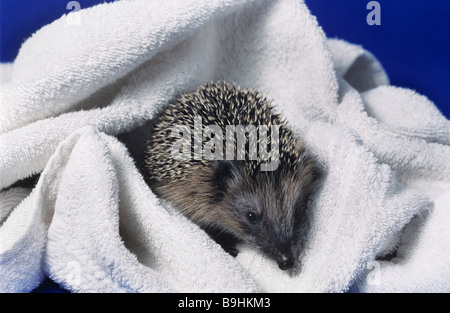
[[92, 224]]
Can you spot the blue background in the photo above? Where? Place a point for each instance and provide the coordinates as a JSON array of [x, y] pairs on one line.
[[412, 42]]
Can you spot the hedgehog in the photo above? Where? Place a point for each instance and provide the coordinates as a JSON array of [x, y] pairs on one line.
[[234, 194]]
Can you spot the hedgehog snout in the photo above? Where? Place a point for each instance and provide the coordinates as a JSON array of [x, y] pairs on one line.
[[286, 261], [285, 257]]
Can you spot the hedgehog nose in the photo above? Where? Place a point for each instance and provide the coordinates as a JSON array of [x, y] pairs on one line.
[[285, 262]]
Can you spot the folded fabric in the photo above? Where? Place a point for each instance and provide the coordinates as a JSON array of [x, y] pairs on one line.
[[93, 225]]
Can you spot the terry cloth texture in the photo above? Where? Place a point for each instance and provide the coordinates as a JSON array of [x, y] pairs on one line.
[[92, 224]]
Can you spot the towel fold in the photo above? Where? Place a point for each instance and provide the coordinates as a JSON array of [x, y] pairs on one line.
[[378, 221]]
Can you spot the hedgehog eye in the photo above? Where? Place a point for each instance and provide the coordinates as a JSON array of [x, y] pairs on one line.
[[252, 217]]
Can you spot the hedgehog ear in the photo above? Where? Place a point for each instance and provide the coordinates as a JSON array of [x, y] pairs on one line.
[[223, 171]]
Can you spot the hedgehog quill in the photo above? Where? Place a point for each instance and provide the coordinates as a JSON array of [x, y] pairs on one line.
[[231, 164]]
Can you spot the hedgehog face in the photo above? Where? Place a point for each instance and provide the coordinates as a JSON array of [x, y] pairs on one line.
[[266, 210]]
